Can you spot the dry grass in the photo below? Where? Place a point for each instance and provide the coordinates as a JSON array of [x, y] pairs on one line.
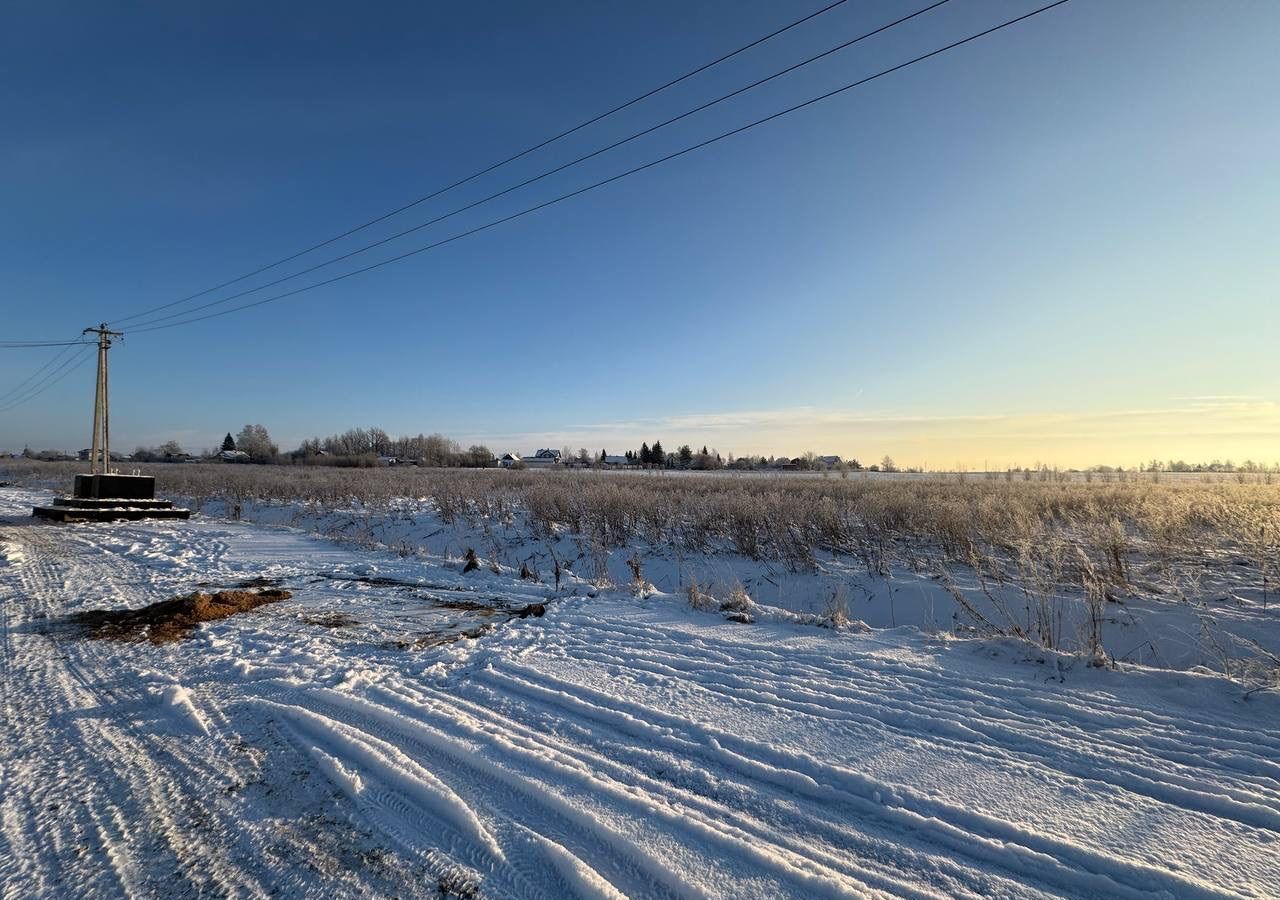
[[700, 599], [1043, 536], [786, 517], [1030, 543]]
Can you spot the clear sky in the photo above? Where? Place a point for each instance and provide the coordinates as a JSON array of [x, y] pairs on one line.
[[1057, 244]]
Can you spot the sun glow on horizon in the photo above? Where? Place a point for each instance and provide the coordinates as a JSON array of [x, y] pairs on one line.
[[1194, 429]]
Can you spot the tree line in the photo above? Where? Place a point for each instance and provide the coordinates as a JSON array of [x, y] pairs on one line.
[[365, 446], [253, 441]]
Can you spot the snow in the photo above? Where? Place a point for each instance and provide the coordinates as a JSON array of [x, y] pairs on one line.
[[621, 745], [179, 699]]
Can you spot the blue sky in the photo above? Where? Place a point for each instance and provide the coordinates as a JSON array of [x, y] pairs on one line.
[[1057, 243]]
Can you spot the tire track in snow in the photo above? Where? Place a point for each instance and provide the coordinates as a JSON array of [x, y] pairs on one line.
[[409, 730], [194, 830], [132, 787], [153, 810], [483, 785], [978, 737], [377, 774], [721, 828], [567, 649], [880, 863], [110, 799], [610, 749], [886, 665], [974, 834], [853, 843], [939, 697]]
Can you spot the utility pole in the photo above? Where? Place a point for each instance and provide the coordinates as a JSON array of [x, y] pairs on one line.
[[100, 458]]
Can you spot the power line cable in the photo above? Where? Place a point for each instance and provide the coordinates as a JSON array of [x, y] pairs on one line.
[[701, 144], [50, 380], [553, 171], [485, 171], [20, 385], [33, 345]]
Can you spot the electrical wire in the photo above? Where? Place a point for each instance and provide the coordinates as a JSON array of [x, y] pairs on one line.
[[50, 380], [485, 171], [20, 385], [528, 181], [33, 345], [657, 162]]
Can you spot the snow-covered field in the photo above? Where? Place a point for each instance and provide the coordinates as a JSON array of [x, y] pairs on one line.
[[341, 744]]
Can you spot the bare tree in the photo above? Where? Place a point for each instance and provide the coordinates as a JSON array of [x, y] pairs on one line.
[[256, 441]]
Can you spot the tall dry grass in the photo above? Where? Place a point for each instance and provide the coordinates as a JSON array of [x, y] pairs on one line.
[[1035, 527], [1035, 540]]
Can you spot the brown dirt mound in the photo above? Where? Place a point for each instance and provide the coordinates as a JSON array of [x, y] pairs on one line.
[[173, 619]]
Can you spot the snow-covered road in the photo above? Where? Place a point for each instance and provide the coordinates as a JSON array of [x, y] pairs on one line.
[[615, 747]]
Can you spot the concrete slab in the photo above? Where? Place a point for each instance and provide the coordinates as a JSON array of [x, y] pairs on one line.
[[107, 513], [111, 503]]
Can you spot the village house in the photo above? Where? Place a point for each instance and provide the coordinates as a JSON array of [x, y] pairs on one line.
[[543, 459]]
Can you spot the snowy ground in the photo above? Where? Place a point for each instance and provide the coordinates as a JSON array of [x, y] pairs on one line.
[[616, 746]]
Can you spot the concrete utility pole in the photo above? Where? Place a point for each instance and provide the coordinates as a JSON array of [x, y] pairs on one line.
[[100, 459], [101, 496]]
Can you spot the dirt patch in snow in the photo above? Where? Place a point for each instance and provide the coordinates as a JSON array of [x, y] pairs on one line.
[[440, 638], [454, 634], [385, 581], [259, 582], [330, 620], [173, 619], [480, 609]]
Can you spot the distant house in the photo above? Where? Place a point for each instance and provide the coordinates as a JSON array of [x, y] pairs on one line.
[[783, 463], [543, 459], [830, 461], [616, 462], [233, 456], [84, 456], [507, 460]]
